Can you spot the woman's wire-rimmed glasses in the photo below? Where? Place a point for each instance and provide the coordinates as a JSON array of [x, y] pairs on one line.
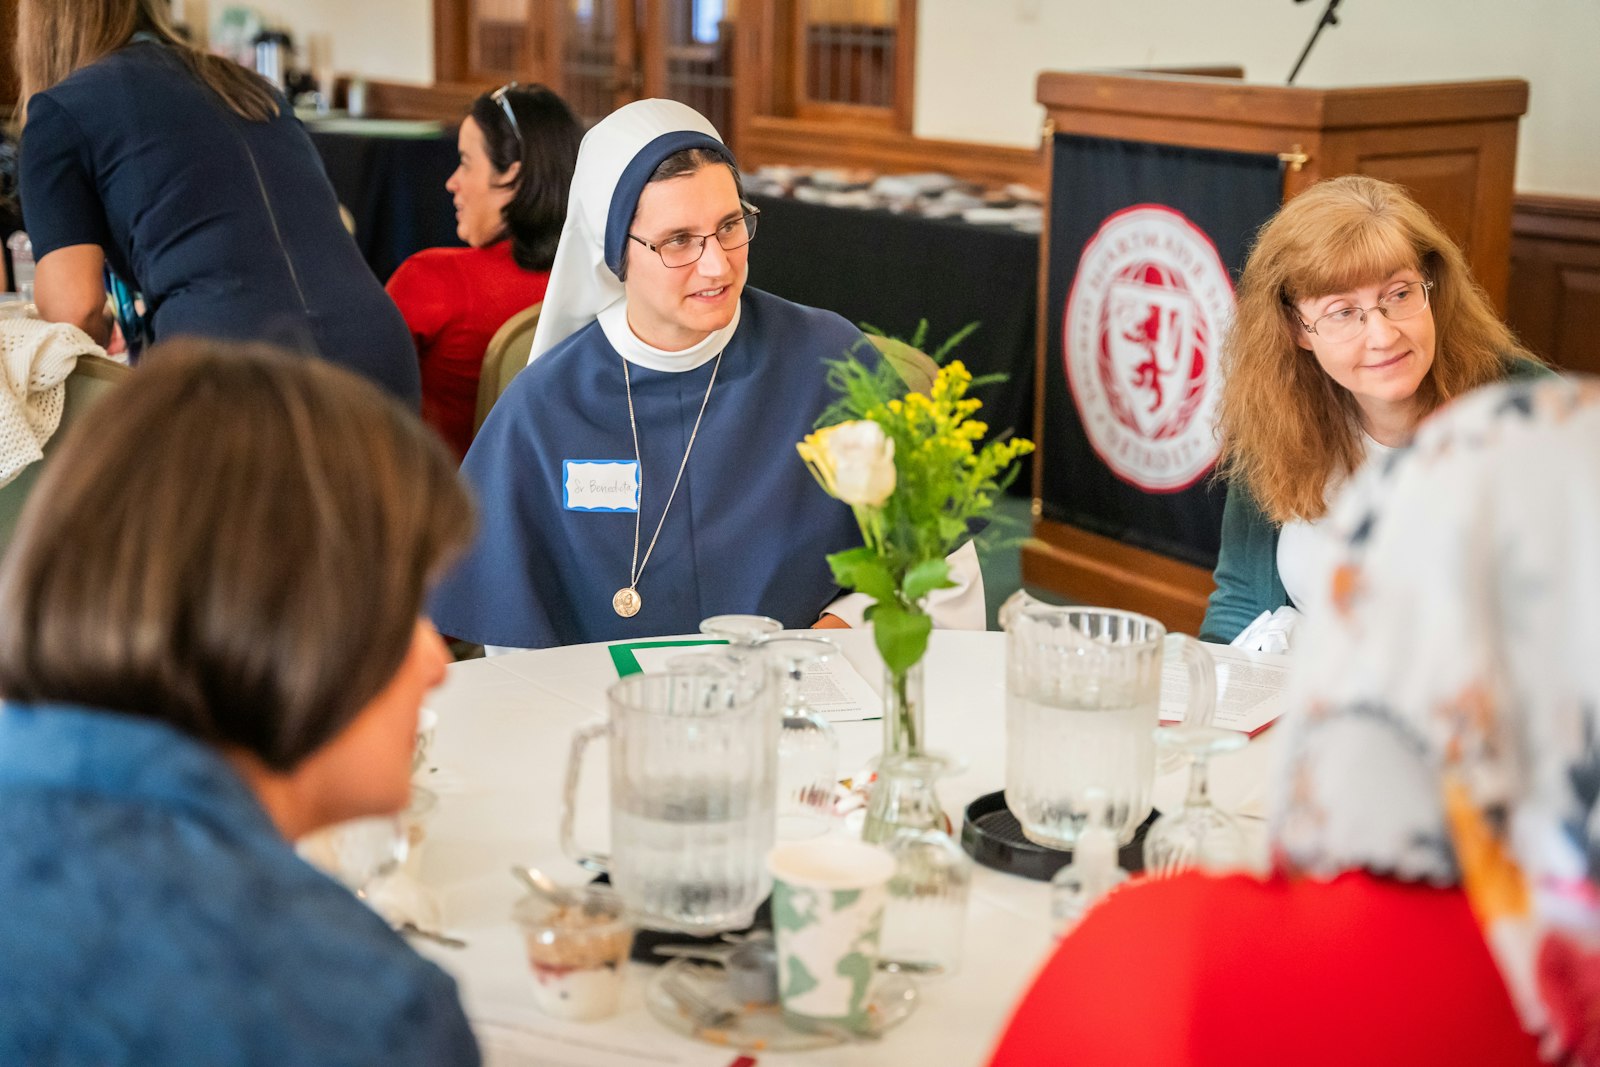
[[1396, 306], [499, 96], [684, 249]]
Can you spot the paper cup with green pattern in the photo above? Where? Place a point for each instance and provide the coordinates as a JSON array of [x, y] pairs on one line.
[[828, 896]]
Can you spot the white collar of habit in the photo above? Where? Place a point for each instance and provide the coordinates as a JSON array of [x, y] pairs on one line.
[[614, 323]]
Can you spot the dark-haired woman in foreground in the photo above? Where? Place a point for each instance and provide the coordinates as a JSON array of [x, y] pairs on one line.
[[517, 149], [209, 646]]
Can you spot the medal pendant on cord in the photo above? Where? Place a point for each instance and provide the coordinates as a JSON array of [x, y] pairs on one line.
[[627, 602]]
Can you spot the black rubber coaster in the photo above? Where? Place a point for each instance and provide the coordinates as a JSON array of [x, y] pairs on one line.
[[645, 940], [993, 837]]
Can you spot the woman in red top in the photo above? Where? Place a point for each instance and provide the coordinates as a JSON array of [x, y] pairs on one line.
[[518, 146]]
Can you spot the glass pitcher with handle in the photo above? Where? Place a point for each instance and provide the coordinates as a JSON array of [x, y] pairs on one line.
[[694, 752], [1083, 695]]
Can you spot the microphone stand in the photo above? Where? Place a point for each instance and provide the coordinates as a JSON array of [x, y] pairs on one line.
[[1329, 18]]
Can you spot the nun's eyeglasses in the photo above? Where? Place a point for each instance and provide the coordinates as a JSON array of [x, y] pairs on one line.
[[684, 249], [499, 96]]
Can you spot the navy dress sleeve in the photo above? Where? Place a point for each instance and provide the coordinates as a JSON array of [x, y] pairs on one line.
[[55, 163]]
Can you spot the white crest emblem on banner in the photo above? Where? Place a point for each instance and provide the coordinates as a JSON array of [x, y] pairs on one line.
[[1141, 339]]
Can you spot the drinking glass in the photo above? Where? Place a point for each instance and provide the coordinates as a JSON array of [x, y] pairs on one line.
[[925, 921], [808, 747], [740, 630], [1199, 834], [693, 791], [1083, 691], [377, 859]]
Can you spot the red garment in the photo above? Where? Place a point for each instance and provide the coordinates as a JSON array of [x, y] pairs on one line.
[[1196, 971], [453, 300]]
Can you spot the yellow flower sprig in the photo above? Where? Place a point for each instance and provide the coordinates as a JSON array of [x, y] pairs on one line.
[[942, 482]]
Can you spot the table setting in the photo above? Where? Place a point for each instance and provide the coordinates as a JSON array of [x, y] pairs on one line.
[[497, 765], [766, 842]]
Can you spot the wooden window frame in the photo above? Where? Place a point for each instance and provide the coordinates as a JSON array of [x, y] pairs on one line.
[[897, 116], [768, 71]]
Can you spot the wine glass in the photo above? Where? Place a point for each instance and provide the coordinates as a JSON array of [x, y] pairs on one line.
[[1199, 834], [373, 857], [808, 747]]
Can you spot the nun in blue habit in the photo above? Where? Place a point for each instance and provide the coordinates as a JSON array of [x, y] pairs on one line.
[[641, 474]]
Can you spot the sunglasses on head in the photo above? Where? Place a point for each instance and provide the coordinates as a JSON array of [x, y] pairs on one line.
[[501, 97]]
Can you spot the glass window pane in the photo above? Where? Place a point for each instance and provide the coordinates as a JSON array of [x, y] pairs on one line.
[[699, 55], [849, 51], [498, 37]]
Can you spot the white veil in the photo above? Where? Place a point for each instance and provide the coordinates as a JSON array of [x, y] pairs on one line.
[[614, 162]]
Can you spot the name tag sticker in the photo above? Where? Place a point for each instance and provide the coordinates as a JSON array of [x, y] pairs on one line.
[[600, 484]]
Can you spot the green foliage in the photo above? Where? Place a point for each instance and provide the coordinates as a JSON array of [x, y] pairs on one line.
[[944, 483]]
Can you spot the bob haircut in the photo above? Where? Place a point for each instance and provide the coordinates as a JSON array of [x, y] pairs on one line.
[[1286, 427], [682, 164], [57, 37], [238, 545], [547, 150]]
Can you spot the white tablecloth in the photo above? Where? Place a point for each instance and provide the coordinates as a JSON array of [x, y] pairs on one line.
[[499, 759]]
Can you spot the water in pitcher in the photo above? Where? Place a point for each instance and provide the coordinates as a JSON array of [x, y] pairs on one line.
[[691, 868], [1062, 744]]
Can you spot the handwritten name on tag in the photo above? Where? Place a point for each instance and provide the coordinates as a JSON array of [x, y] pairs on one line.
[[600, 484]]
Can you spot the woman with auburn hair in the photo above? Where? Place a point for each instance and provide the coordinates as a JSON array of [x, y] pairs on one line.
[[1357, 317], [517, 149], [210, 645], [189, 179]]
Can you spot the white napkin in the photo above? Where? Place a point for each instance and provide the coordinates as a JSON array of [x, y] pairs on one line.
[[36, 358], [1272, 631]]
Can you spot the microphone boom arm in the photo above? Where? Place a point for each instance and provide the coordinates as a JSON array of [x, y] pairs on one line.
[[1329, 18]]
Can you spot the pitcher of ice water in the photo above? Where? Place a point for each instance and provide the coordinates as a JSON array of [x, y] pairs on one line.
[[1083, 694], [694, 752]]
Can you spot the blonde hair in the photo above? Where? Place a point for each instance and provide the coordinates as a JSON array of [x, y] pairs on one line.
[[1286, 427], [57, 37]]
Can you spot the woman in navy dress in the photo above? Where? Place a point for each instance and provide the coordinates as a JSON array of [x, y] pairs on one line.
[[190, 178]]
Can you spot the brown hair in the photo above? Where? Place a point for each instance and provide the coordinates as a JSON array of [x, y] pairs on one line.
[[545, 142], [236, 543], [1286, 427], [57, 37]]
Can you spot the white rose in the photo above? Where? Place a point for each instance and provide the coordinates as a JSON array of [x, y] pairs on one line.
[[862, 462]]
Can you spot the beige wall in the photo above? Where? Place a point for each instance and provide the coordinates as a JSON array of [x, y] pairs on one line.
[[977, 60], [390, 40]]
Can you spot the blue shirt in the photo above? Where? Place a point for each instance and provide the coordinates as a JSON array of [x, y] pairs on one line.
[[150, 913], [748, 531], [227, 226]]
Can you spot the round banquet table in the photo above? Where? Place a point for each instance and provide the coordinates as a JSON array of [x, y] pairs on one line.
[[497, 765]]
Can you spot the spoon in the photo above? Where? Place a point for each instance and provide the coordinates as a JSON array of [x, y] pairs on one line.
[[411, 929], [541, 883]]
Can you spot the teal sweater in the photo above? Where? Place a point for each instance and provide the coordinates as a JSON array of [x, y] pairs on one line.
[[1247, 563]]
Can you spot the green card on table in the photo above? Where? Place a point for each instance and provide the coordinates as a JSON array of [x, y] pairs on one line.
[[627, 663]]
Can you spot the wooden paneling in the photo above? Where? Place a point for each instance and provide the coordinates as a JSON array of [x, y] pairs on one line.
[[806, 142], [1555, 279], [446, 102], [8, 40]]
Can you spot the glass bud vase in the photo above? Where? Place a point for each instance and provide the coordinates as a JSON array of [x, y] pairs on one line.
[[903, 705]]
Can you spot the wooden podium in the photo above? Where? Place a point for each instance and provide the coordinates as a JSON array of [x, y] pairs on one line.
[[1453, 145]]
